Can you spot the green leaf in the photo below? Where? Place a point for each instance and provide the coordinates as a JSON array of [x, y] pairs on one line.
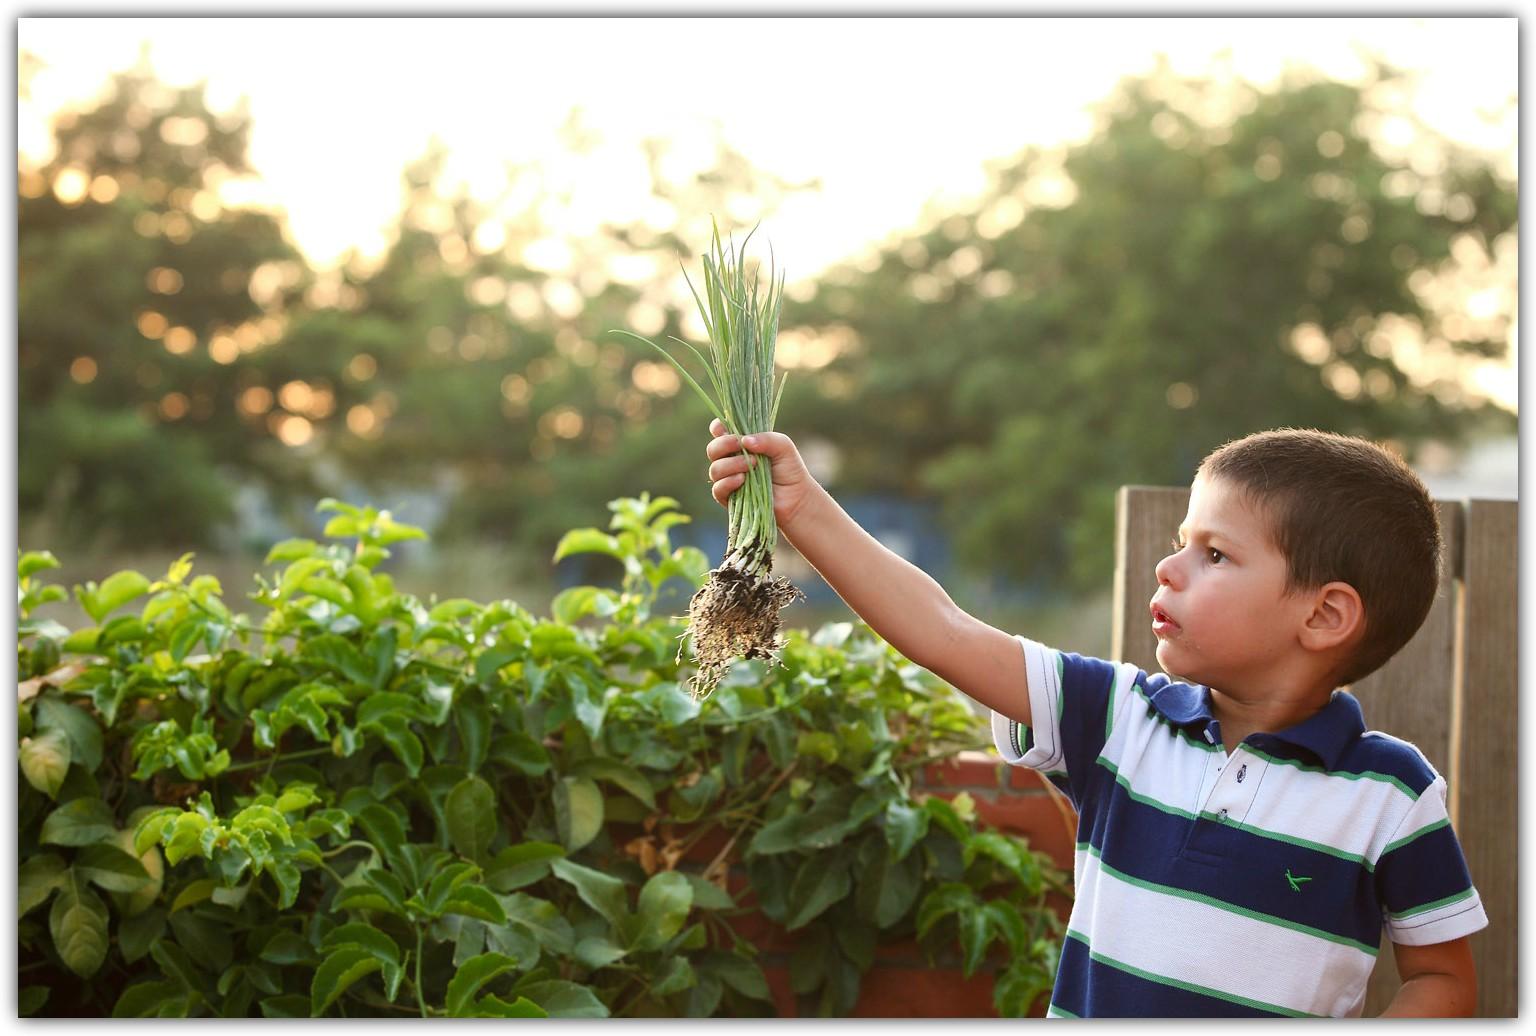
[[78, 924], [905, 826], [562, 999], [286, 1005], [740, 974], [665, 901], [543, 919], [395, 731], [577, 602], [598, 951], [471, 976], [111, 868], [520, 865], [671, 702], [473, 719], [186, 837], [147, 832], [383, 828], [451, 609], [115, 591], [492, 1006], [587, 541], [364, 936], [82, 821], [622, 775], [674, 976], [471, 812], [600, 891], [33, 561], [30, 1000], [82, 730], [338, 654], [291, 550], [336, 973], [208, 941], [819, 882], [185, 636], [975, 935], [887, 886], [146, 999], [521, 752], [38, 878], [477, 902], [288, 948], [945, 899], [707, 895], [193, 893], [45, 761], [134, 934], [81, 641], [578, 811]]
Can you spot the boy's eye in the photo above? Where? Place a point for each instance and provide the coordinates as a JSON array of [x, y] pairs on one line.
[[1175, 544], [1215, 555]]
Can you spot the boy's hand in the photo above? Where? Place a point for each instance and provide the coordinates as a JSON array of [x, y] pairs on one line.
[[792, 482]]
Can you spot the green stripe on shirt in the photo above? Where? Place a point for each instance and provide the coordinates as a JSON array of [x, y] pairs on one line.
[[1253, 915], [1164, 980]]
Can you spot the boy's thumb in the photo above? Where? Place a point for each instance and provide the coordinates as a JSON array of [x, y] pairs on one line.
[[768, 443]]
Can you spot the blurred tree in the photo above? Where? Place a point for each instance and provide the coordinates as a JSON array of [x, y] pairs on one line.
[[1175, 282], [134, 310], [477, 354]]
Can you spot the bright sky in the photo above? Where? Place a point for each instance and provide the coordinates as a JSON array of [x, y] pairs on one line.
[[892, 114]]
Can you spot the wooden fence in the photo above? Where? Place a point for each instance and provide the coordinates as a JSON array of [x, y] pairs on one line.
[[1451, 691]]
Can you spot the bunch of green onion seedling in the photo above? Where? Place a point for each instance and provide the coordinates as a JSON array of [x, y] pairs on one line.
[[736, 612]]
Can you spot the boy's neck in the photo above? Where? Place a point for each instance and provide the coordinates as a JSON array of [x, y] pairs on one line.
[[1239, 718]]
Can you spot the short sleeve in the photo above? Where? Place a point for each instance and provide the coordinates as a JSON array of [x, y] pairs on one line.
[[1073, 702], [1422, 878]]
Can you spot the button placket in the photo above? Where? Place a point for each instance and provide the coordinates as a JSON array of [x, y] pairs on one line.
[[1235, 788]]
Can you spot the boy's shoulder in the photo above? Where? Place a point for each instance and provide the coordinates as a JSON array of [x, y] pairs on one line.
[[1375, 753]]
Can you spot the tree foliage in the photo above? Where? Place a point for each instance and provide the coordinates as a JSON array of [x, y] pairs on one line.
[[1101, 316], [1200, 281]]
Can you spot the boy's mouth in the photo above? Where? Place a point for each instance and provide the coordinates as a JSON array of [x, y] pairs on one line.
[[1162, 623]]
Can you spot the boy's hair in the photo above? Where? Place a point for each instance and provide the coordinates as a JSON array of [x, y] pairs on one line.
[[1344, 509]]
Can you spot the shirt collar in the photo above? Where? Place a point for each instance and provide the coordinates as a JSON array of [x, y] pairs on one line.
[[1326, 733]]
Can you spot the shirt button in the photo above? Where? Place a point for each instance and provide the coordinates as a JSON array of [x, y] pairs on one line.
[[1222, 815]]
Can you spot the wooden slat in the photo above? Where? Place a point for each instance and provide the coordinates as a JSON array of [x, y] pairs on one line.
[[1146, 520], [1412, 697], [1487, 763]]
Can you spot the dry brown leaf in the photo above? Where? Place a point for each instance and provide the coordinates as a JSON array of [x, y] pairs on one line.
[[29, 689], [644, 850]]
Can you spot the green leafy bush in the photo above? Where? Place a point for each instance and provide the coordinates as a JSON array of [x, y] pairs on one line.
[[363, 804]]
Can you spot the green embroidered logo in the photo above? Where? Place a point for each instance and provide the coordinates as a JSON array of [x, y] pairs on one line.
[[1295, 880]]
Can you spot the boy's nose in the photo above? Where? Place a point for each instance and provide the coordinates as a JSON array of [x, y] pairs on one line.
[[1167, 570]]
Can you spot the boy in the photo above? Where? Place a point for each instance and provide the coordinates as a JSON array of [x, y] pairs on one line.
[[1241, 837]]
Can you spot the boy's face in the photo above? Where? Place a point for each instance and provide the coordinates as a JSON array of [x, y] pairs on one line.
[[1221, 613]]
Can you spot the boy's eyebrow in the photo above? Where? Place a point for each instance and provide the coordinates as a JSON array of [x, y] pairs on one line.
[[1209, 534]]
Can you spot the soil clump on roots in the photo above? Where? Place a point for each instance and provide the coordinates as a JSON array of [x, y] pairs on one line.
[[735, 614]]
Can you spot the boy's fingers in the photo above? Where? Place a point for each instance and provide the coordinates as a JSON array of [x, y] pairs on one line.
[[716, 427], [723, 488], [727, 466], [722, 446]]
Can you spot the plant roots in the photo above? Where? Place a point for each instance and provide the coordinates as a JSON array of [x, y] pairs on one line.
[[735, 614]]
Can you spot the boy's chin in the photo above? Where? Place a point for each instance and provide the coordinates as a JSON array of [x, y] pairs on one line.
[[1168, 662]]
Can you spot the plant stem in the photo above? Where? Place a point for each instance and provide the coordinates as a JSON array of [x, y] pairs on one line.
[[270, 760], [420, 1000]]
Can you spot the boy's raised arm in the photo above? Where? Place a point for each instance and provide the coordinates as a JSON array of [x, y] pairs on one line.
[[897, 599]]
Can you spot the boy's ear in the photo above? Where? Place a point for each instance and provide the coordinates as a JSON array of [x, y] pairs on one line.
[[1336, 619]]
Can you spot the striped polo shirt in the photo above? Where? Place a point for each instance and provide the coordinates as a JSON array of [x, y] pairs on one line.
[[1249, 884]]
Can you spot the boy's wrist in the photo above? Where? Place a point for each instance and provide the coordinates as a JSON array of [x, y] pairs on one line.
[[808, 513]]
